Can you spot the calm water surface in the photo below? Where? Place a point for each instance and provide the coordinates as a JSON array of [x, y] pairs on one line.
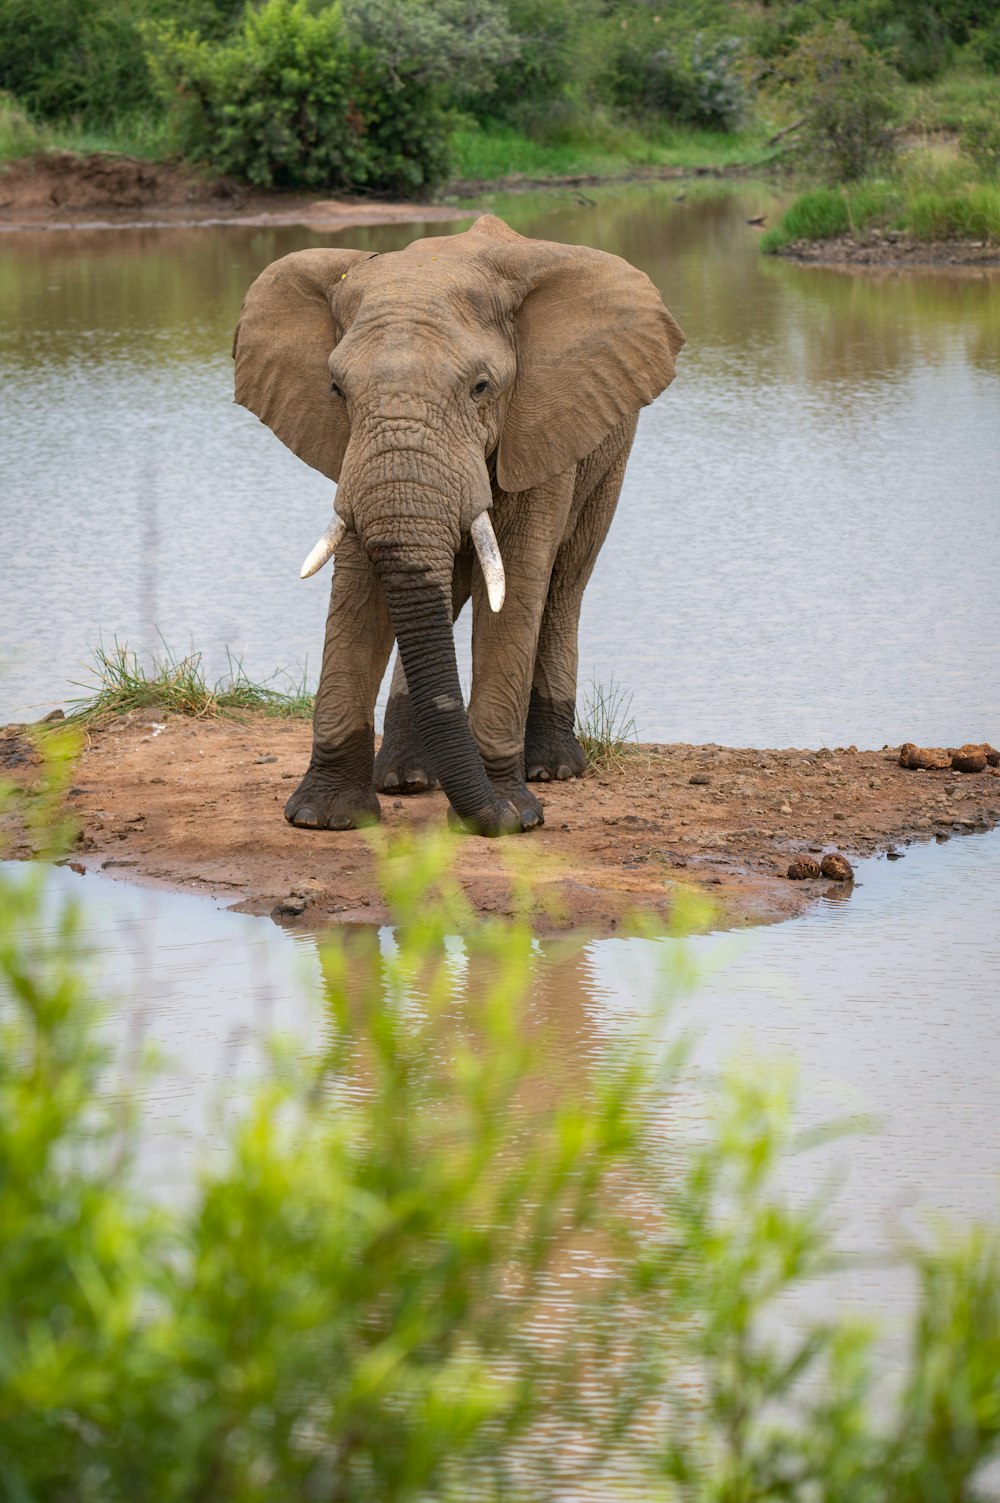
[[806, 552]]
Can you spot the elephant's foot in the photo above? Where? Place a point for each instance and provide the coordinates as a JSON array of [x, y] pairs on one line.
[[551, 750], [516, 809], [402, 765], [337, 792]]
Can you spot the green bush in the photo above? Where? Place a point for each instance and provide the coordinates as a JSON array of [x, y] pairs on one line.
[[693, 80], [846, 102], [291, 100]]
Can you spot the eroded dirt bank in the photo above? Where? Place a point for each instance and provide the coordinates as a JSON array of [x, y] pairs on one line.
[[60, 190], [197, 804], [893, 252]]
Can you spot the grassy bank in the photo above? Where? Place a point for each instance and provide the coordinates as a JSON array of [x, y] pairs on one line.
[[934, 197]]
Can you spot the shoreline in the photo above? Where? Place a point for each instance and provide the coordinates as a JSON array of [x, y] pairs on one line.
[[892, 252], [197, 806]]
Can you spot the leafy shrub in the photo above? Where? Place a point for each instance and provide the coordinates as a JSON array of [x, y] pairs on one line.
[[980, 139], [691, 80], [292, 101], [984, 44], [70, 56], [550, 79], [846, 101]]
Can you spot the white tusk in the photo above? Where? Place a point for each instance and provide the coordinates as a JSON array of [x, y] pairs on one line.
[[488, 550], [325, 548]]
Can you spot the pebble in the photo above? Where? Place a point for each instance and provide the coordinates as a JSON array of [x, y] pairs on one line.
[[260, 761], [700, 780], [837, 867], [802, 868]]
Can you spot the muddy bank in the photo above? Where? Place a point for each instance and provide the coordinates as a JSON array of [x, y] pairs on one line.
[[60, 190], [197, 804], [892, 251]]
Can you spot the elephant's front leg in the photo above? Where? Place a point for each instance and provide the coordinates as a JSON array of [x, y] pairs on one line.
[[529, 528], [338, 790]]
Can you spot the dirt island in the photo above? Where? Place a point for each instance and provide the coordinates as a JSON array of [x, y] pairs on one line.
[[197, 804]]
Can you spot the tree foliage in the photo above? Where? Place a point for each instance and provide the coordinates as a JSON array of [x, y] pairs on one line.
[[846, 100]]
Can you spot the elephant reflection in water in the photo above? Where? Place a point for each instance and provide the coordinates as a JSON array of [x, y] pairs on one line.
[[474, 395]]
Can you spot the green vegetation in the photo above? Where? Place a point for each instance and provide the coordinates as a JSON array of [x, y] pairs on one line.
[[396, 96], [605, 727], [124, 683], [344, 1301], [926, 205]]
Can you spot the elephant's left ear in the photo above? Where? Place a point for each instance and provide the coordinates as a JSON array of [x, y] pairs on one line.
[[594, 344], [287, 331]]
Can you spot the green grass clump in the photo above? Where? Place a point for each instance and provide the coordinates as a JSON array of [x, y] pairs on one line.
[[972, 213], [605, 727], [933, 201], [175, 684]]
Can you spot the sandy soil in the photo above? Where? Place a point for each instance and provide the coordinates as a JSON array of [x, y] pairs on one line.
[[893, 252], [197, 804]]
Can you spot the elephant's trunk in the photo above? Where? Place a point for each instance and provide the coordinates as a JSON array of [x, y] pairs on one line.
[[417, 585]]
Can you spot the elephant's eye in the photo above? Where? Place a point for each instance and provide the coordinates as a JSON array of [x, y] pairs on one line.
[[481, 388], [336, 389]]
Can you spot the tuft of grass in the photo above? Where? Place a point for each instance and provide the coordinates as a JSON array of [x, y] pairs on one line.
[[605, 726], [169, 683], [969, 213]]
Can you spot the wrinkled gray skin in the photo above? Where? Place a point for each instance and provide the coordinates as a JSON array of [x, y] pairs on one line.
[[466, 372]]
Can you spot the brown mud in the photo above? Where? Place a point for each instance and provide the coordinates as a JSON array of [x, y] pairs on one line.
[[892, 251], [198, 805], [60, 190]]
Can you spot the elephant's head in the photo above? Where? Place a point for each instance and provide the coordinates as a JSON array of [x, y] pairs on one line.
[[401, 376]]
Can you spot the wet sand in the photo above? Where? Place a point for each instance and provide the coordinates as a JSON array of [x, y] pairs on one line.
[[197, 805]]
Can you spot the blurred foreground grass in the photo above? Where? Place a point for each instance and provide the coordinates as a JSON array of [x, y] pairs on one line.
[[354, 1299]]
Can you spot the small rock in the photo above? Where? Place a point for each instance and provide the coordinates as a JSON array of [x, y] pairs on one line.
[[894, 855], [992, 755], [700, 780], [289, 907], [260, 761], [157, 780], [969, 758], [837, 867], [802, 868], [786, 808], [52, 715]]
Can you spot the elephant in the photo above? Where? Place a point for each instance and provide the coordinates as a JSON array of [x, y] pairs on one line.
[[475, 397]]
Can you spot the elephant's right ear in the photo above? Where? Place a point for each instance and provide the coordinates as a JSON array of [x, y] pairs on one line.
[[284, 338]]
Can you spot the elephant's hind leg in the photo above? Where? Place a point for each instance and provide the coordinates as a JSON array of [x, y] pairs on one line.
[[402, 764], [551, 748]]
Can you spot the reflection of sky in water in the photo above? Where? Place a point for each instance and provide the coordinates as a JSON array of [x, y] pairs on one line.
[[887, 997], [806, 549]]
